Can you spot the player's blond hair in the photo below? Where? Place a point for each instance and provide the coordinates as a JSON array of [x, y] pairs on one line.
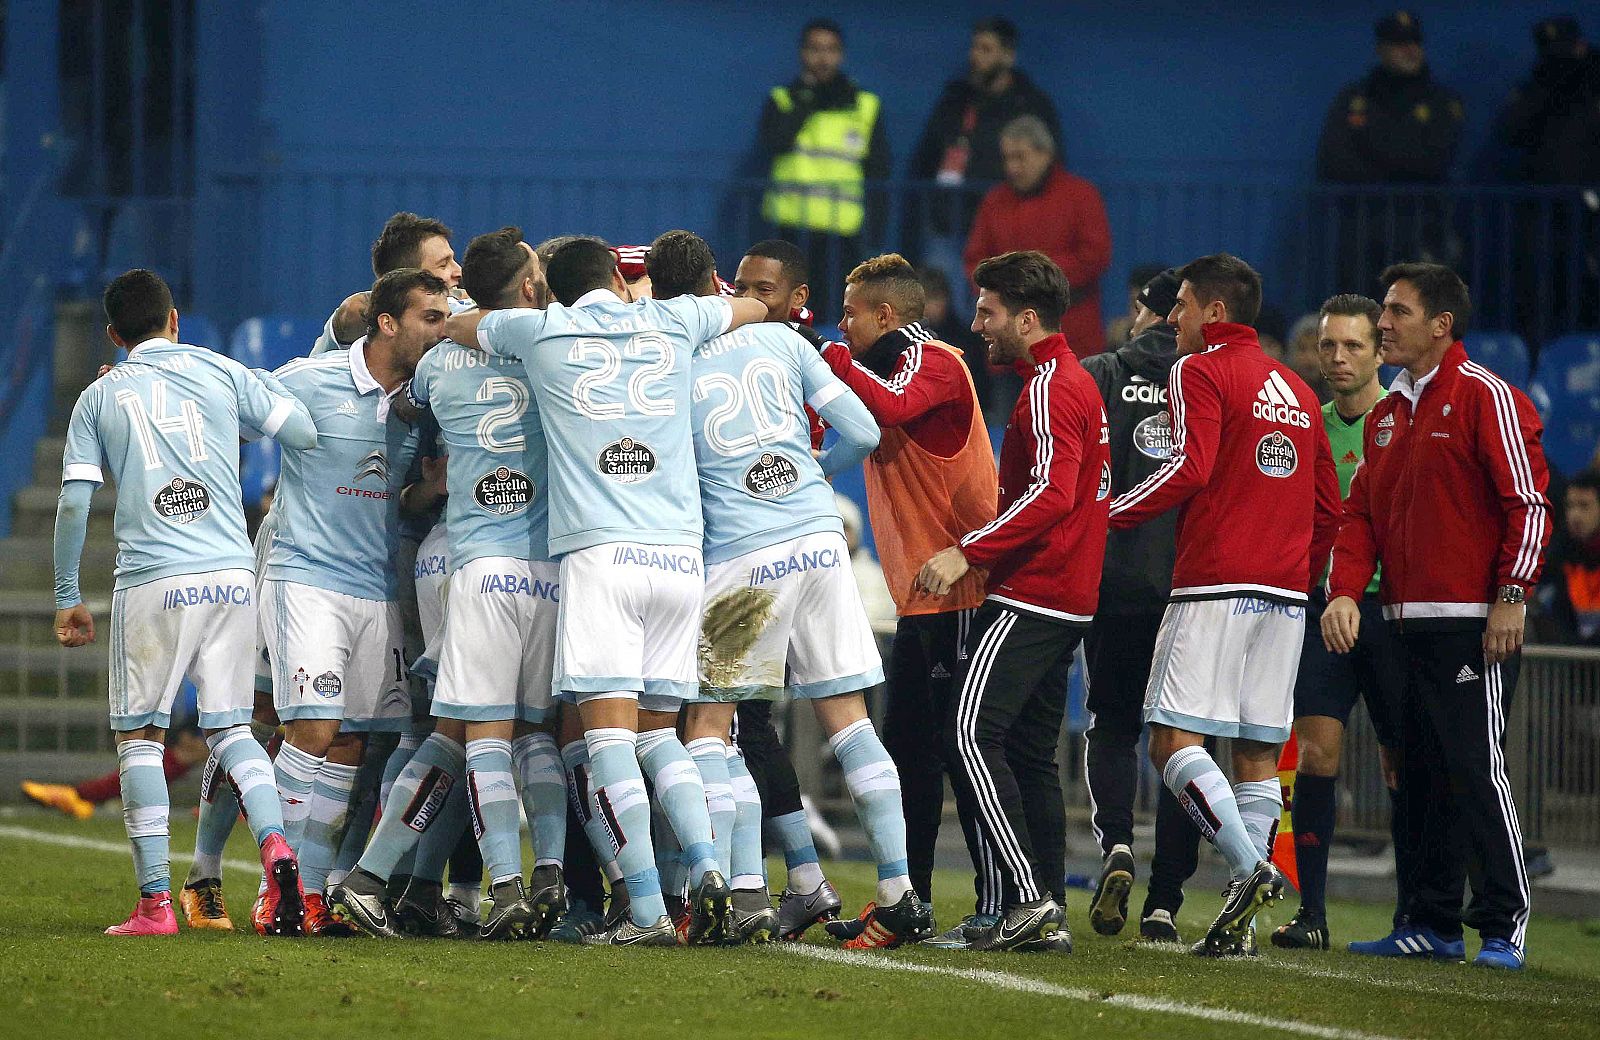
[[890, 279]]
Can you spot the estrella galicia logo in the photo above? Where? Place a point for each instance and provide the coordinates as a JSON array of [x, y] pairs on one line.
[[627, 461], [1103, 492], [1275, 455], [182, 501], [503, 492], [1152, 437], [772, 476], [327, 685], [374, 464]]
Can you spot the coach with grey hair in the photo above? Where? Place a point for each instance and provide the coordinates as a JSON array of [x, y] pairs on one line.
[[1043, 207]]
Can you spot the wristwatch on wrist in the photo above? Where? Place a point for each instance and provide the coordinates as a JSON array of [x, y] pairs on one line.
[[1512, 594]]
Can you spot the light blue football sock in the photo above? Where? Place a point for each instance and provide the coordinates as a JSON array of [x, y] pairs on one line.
[[363, 804], [580, 790], [409, 743], [874, 785], [219, 809], [669, 854], [438, 843], [145, 813], [1194, 779], [711, 758], [543, 783], [682, 795], [246, 773], [330, 809], [416, 803], [492, 800], [748, 867], [1261, 808], [799, 851], [296, 773], [623, 809]]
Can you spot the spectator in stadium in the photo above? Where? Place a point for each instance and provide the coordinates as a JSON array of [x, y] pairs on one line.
[[1570, 591], [932, 480], [1043, 207], [1395, 125], [1552, 124], [1303, 354], [959, 148], [1120, 646], [997, 388], [823, 136], [1450, 500], [1120, 329], [869, 575]]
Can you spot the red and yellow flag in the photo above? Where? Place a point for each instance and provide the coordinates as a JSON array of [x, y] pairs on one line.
[[1283, 841]]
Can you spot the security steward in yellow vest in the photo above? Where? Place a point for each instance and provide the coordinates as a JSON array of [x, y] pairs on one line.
[[824, 139]]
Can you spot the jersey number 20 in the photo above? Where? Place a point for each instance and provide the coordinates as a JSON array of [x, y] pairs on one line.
[[745, 395]]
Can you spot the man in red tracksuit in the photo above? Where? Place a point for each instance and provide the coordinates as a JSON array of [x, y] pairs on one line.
[[1450, 499], [1252, 472], [1043, 553]]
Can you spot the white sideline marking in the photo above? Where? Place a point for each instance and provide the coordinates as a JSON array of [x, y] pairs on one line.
[[1130, 1001], [95, 845]]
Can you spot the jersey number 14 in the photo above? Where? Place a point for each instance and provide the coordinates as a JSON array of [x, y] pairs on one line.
[[186, 422]]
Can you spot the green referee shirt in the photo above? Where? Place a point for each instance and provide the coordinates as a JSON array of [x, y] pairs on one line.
[[1344, 437]]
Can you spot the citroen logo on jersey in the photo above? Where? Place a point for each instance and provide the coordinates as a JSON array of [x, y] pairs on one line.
[[1276, 402], [374, 464]]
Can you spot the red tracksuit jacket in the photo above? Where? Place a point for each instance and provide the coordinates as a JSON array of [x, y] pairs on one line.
[[1450, 496], [1044, 550], [1252, 470]]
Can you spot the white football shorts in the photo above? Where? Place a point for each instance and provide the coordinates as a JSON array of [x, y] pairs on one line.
[[499, 641], [630, 623], [1226, 668], [335, 657], [202, 626], [788, 616]]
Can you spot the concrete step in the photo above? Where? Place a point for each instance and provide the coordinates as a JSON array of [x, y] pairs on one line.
[[29, 565], [34, 514], [47, 452]]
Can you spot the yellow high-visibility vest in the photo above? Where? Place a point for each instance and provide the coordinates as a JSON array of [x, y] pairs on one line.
[[819, 184]]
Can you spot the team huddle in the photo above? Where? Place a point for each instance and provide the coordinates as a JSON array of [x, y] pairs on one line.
[[596, 485]]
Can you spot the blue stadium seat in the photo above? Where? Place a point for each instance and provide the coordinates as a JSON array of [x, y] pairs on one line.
[[273, 340], [1567, 393], [1503, 353], [268, 342], [200, 331]]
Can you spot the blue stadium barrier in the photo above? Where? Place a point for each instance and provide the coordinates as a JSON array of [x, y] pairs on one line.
[[1503, 353], [1566, 390]]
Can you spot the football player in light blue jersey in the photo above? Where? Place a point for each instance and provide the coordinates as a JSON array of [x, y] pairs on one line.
[[167, 422], [782, 610], [494, 665], [406, 240], [612, 382], [330, 618]]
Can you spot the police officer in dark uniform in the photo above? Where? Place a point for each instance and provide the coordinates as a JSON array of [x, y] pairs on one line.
[[1396, 125], [1134, 587]]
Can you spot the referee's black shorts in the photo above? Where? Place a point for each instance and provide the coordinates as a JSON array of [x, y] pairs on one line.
[[1329, 684]]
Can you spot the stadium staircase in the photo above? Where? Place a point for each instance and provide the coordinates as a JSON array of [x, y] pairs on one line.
[[53, 701]]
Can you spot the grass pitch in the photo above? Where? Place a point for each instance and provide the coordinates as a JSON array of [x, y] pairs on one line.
[[59, 977]]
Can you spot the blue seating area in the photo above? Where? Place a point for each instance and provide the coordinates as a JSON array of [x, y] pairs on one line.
[[1566, 388]]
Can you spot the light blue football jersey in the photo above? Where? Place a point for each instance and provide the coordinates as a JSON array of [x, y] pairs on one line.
[[338, 505], [489, 423], [612, 383], [166, 423], [327, 341], [759, 483]]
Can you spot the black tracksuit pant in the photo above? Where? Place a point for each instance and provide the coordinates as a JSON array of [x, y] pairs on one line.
[[1119, 649], [924, 661], [767, 759], [1454, 780], [1002, 740]]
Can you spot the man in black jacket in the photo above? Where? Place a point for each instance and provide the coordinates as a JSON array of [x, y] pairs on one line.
[[1121, 644], [1395, 125]]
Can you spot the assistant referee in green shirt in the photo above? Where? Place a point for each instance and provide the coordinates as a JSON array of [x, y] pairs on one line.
[[1329, 684]]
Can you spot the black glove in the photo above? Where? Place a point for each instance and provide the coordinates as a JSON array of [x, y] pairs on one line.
[[811, 335]]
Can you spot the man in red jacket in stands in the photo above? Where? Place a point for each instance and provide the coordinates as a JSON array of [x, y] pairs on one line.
[[1041, 206], [1450, 498]]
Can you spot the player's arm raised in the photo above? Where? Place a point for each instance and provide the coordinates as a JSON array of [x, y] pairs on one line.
[[463, 328], [926, 379], [1196, 430], [827, 395], [268, 406]]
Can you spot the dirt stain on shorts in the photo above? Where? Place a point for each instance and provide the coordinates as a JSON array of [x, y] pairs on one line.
[[733, 623]]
